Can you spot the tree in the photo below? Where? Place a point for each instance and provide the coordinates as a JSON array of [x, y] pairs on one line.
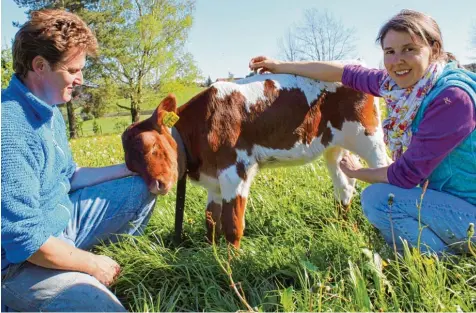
[[319, 37], [71, 5], [208, 82], [289, 46], [7, 66], [470, 67], [142, 46]]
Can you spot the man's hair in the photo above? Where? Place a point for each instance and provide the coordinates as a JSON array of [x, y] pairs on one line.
[[51, 34]]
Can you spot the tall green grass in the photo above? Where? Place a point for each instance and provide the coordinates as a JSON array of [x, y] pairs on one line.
[[297, 254]]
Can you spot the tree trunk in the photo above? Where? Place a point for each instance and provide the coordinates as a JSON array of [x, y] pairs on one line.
[[71, 120], [136, 101], [135, 109]]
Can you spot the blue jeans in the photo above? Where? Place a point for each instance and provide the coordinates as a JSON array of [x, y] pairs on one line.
[[445, 218], [100, 213]]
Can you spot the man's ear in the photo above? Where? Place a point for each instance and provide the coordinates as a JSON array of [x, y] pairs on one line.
[[39, 64]]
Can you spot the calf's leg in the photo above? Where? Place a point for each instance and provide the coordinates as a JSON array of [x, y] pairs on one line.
[[343, 185], [235, 185], [213, 215]]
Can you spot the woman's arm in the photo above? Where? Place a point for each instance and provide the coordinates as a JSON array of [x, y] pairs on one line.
[[88, 176], [448, 120], [351, 75], [353, 169], [326, 71]]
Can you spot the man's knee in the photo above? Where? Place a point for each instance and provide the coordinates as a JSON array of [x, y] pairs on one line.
[[34, 288], [141, 193], [86, 294]]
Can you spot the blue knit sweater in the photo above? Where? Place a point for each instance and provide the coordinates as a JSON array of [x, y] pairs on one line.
[[37, 166]]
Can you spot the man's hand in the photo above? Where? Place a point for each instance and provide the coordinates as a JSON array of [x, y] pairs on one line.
[[105, 269], [57, 254]]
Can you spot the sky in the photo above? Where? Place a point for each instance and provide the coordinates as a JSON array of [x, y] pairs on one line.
[[226, 34]]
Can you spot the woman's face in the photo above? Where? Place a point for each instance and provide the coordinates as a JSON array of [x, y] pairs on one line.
[[406, 59], [58, 83]]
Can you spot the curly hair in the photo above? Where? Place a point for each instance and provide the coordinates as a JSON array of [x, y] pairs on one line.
[[418, 25], [51, 34]]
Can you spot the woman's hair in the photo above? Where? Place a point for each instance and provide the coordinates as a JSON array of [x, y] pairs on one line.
[[51, 34], [418, 25]]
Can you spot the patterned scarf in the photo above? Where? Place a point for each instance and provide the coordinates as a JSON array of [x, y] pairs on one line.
[[403, 105]]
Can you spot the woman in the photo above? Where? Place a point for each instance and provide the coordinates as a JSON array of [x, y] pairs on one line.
[[430, 131], [52, 210]]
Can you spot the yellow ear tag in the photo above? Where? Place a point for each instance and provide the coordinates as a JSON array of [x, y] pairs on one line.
[[170, 118]]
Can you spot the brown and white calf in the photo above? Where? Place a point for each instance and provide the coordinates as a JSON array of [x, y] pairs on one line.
[[231, 129]]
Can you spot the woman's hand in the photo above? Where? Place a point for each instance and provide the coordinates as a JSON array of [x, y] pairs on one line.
[[350, 165], [262, 64]]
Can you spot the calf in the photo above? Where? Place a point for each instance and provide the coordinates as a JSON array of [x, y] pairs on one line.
[[231, 129]]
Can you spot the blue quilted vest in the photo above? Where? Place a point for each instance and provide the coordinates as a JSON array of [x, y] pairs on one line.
[[456, 174]]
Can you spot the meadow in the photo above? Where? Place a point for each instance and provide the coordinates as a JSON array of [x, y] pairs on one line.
[[298, 253], [116, 124]]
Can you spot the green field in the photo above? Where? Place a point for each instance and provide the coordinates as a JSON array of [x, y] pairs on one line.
[[114, 125], [297, 254]]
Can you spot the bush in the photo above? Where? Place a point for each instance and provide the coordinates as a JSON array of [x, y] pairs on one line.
[[96, 128], [120, 126]]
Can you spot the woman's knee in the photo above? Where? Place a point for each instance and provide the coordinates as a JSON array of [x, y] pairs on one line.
[[375, 195]]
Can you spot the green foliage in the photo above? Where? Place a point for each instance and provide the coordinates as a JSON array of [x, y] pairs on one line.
[[120, 126], [142, 45], [7, 66], [297, 254], [96, 128], [72, 5], [78, 125], [99, 98]]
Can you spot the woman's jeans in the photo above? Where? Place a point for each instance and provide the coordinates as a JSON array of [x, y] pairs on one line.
[[121, 206], [444, 219]]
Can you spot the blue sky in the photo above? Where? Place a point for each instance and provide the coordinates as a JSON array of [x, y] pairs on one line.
[[227, 33]]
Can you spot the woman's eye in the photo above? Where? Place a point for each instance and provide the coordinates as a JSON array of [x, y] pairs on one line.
[[389, 52]]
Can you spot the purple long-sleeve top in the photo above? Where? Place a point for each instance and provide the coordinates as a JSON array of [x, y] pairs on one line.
[[447, 121]]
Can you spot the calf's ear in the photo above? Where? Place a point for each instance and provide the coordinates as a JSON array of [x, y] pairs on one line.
[[165, 112], [169, 104]]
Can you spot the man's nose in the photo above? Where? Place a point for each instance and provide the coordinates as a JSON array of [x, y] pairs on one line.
[[79, 78]]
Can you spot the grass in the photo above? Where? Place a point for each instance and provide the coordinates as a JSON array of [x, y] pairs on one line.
[[112, 125], [297, 254]]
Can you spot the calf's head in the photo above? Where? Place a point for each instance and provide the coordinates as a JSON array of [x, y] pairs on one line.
[[150, 149]]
